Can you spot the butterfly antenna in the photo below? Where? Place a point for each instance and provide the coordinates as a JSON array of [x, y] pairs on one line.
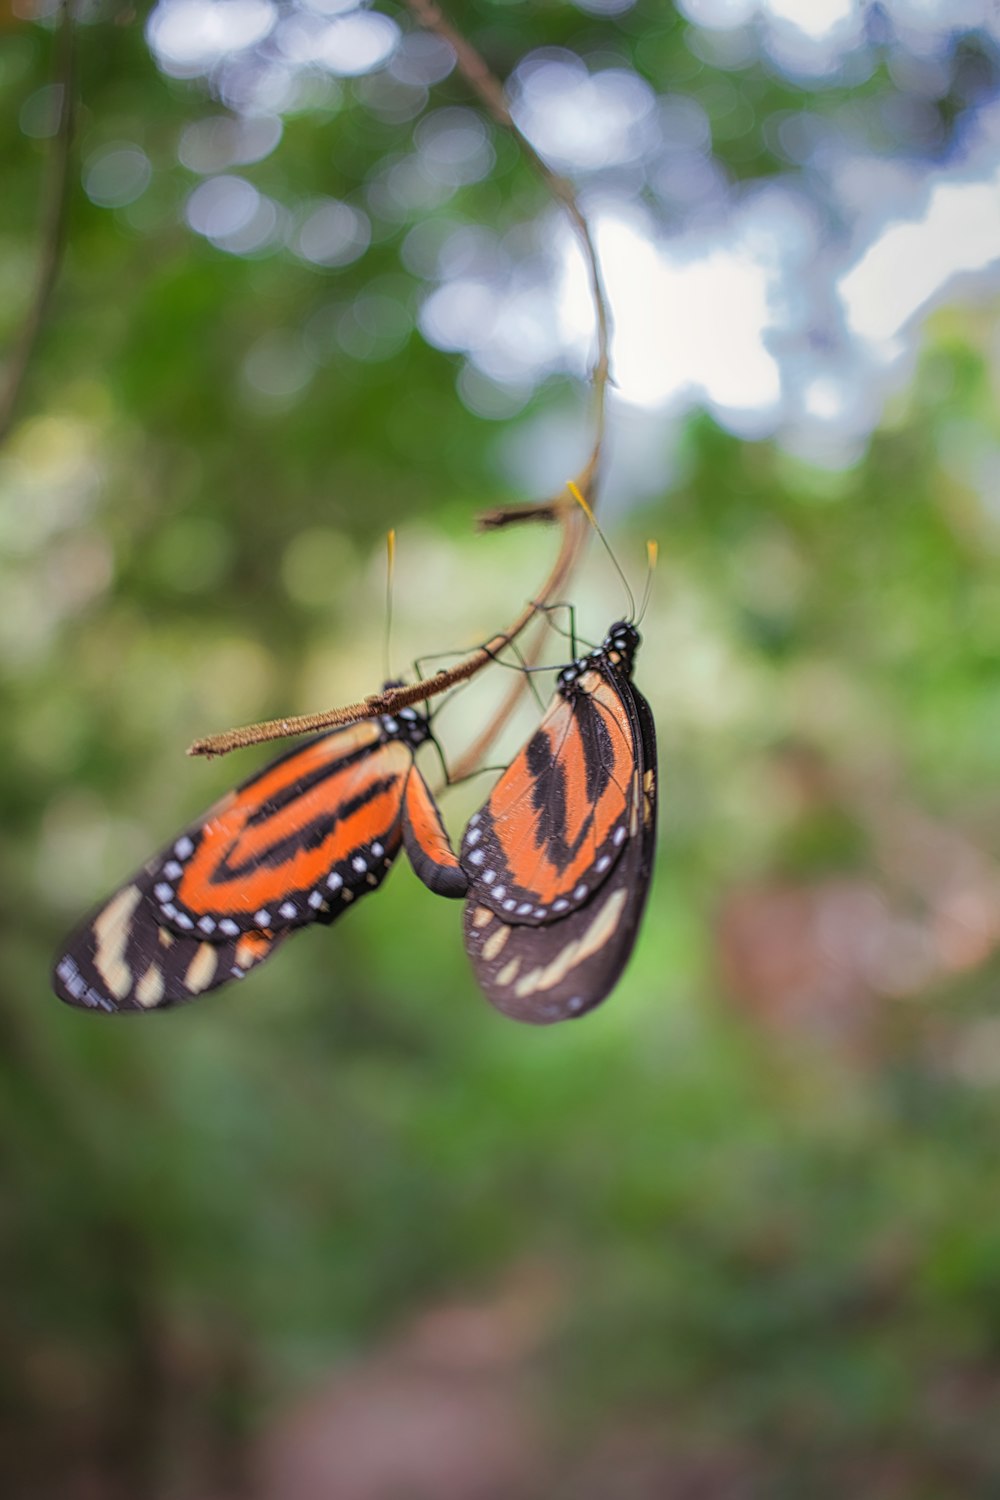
[[652, 556], [578, 496], [390, 568]]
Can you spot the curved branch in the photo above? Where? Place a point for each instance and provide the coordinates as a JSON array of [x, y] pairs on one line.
[[53, 224], [391, 700], [490, 91]]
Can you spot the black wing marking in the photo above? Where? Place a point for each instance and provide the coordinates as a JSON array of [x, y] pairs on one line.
[[122, 958], [559, 971]]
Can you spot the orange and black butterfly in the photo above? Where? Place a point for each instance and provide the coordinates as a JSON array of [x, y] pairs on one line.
[[299, 842], [560, 857]]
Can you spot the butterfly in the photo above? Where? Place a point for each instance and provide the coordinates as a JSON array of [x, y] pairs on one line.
[[559, 858], [298, 842]]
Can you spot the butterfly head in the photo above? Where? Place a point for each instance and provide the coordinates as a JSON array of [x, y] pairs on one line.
[[620, 645]]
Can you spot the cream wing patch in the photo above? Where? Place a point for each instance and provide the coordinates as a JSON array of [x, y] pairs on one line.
[[201, 969], [588, 943], [111, 933], [150, 989], [494, 944]]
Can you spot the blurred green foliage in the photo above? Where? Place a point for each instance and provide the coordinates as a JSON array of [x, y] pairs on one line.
[[766, 1203]]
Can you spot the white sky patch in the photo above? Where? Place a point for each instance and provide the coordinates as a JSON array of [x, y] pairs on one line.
[[188, 36], [824, 398], [817, 19], [911, 263], [578, 119], [356, 44], [719, 15], [690, 320]]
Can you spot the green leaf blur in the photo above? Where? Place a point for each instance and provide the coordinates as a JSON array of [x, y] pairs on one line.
[[733, 1234]]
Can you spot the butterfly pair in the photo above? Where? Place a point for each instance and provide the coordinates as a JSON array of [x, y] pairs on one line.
[[555, 866]]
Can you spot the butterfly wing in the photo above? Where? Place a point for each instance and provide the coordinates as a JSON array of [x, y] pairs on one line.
[[313, 830], [123, 959], [298, 842], [569, 839], [557, 820], [427, 842]]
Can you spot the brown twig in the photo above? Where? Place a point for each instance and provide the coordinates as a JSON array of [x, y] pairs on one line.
[[53, 224], [391, 700], [562, 509]]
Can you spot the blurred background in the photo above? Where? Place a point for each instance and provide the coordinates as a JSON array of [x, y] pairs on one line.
[[344, 1231]]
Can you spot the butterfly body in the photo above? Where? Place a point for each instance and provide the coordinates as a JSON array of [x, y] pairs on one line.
[[559, 858], [556, 865]]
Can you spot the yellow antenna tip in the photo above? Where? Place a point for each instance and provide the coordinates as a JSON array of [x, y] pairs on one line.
[[390, 543], [581, 501], [652, 553]]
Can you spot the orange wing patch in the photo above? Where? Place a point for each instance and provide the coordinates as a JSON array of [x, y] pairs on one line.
[[298, 842], [317, 827], [427, 842], [558, 818]]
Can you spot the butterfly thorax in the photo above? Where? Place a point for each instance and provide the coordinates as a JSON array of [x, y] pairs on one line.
[[616, 652], [410, 725]]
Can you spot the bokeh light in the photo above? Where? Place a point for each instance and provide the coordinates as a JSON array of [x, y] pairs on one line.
[[728, 1236], [720, 310]]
